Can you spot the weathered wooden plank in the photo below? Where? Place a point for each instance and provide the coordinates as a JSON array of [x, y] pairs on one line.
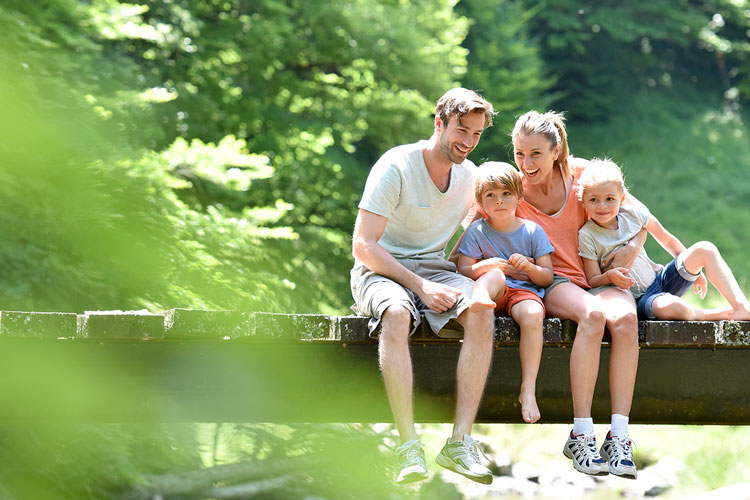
[[707, 334], [679, 333], [250, 367], [41, 325], [207, 324], [734, 334], [294, 326], [120, 325]]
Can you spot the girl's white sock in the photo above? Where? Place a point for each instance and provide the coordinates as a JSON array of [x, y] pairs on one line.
[[583, 426], [619, 425]]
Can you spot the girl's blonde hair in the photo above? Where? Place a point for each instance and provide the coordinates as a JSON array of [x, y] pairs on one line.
[[497, 175], [600, 172], [550, 125]]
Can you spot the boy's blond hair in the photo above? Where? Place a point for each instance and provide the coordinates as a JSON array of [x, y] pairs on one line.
[[497, 175], [600, 172]]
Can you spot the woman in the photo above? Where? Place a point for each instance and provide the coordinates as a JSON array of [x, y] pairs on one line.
[[549, 177]]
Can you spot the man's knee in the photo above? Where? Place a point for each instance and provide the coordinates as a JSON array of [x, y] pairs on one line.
[[479, 325], [395, 324]]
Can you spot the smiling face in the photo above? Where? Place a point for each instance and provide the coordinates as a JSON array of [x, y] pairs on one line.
[[602, 203], [460, 136], [535, 156]]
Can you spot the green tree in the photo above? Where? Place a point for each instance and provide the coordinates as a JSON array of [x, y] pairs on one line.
[[603, 53], [505, 65], [282, 105]]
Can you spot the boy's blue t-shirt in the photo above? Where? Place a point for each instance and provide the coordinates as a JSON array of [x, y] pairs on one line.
[[482, 242]]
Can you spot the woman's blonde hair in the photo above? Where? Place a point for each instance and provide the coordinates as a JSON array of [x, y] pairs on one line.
[[550, 125], [600, 172], [497, 175]]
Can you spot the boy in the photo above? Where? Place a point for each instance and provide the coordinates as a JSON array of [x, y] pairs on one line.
[[657, 289], [500, 243]]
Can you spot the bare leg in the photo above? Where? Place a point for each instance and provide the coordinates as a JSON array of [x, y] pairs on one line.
[[672, 308], [622, 323], [569, 301], [489, 287], [395, 364], [704, 254], [473, 367], [529, 315]]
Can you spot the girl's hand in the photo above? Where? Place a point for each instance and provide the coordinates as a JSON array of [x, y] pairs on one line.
[[618, 277], [700, 286]]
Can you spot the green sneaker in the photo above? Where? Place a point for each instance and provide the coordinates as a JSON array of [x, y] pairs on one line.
[[413, 465], [463, 457]]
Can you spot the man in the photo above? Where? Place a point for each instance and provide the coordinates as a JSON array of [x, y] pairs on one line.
[[414, 200]]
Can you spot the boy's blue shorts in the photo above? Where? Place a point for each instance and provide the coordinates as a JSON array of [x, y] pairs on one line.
[[673, 279]]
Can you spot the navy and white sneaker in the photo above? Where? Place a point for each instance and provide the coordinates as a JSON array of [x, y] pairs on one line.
[[619, 453], [583, 452]]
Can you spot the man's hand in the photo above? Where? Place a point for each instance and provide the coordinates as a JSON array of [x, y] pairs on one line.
[[700, 286], [438, 297], [618, 277]]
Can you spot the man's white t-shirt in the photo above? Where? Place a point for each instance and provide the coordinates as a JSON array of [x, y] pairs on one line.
[[421, 219]]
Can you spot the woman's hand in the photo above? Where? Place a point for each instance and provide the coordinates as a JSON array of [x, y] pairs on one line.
[[625, 255]]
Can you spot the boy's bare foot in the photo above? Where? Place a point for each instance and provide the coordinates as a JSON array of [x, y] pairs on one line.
[[529, 409], [713, 314], [480, 300]]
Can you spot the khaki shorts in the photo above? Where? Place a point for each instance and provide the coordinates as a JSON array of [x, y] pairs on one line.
[[599, 289], [558, 280], [373, 294]]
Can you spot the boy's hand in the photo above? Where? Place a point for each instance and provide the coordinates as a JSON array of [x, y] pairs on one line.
[[496, 263], [517, 273], [519, 262], [700, 285], [618, 277]]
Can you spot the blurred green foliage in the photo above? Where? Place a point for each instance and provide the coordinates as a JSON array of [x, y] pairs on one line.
[[203, 154]]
